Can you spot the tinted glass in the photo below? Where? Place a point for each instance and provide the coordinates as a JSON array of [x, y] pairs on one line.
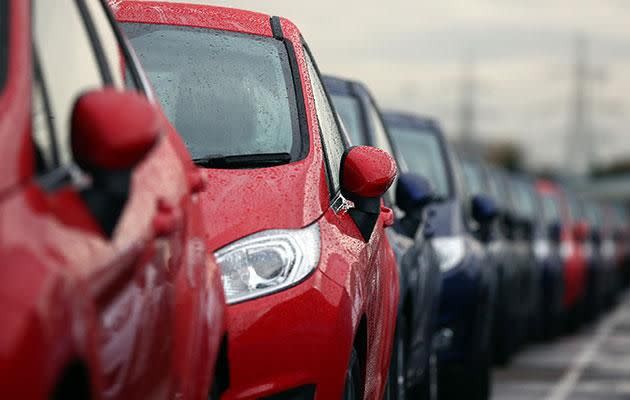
[[550, 208], [226, 93], [423, 155], [473, 178], [68, 67], [334, 142], [523, 200], [350, 112]]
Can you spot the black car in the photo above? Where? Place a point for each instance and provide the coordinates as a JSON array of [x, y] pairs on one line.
[[547, 240], [508, 305], [410, 370], [468, 278]]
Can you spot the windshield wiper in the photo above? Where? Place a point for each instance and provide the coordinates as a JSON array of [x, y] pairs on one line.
[[243, 160]]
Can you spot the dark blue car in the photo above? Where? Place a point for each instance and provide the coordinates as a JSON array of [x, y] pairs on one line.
[[456, 225], [508, 307], [410, 370]]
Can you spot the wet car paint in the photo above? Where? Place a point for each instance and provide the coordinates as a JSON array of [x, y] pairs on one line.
[[77, 302], [355, 286]]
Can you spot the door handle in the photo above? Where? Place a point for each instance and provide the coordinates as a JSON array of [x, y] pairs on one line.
[[167, 218], [196, 180]]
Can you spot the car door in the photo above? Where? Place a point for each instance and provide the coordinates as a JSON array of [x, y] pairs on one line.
[[125, 273], [369, 258]]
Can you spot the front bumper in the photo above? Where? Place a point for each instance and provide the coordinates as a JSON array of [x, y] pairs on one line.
[[285, 342]]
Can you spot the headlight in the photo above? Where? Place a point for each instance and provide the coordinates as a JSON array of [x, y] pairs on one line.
[[267, 262], [541, 249], [450, 251]]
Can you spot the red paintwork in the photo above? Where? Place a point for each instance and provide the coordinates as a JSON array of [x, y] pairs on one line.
[[575, 262], [301, 335], [367, 171], [142, 312], [137, 126]]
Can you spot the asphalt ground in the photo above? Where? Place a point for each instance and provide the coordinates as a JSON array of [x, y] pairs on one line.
[[592, 364]]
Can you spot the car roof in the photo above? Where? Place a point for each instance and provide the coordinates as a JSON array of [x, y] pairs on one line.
[[410, 120], [193, 15], [336, 85]]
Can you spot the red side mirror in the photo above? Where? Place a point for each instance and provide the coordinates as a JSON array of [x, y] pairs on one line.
[[113, 130], [367, 172]]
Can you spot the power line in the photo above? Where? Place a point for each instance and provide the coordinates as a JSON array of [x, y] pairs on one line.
[[580, 146]]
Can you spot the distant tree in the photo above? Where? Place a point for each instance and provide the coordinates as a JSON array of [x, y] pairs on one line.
[[505, 154]]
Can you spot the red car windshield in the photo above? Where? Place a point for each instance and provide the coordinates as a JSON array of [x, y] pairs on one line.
[[228, 94]]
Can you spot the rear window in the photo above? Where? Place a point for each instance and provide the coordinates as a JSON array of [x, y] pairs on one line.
[[349, 110], [228, 94], [423, 155], [4, 42]]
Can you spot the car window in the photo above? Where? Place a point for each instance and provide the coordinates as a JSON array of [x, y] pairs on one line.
[[349, 110], [4, 42], [112, 54], [423, 155], [42, 124], [334, 143], [77, 51], [227, 93], [472, 178], [381, 140]]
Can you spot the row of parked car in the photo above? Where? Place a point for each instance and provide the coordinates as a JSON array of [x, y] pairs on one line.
[[190, 210]]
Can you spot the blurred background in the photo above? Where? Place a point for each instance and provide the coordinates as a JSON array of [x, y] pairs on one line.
[[537, 85]]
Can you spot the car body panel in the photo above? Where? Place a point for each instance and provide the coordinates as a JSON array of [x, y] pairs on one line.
[[75, 298], [354, 289], [472, 282]]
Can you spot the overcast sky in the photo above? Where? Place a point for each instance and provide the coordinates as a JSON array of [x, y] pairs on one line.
[[411, 54]]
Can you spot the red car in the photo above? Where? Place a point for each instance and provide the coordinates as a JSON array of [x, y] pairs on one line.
[[106, 290], [293, 214], [572, 237]]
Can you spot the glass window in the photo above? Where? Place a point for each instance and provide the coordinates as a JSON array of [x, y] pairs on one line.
[[381, 140], [334, 144], [423, 155], [42, 127], [228, 94], [112, 53], [68, 65], [350, 112], [550, 208], [472, 178]]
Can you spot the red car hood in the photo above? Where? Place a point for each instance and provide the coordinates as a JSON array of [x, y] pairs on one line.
[[237, 203]]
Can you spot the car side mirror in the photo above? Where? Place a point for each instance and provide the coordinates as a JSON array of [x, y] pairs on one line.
[[555, 231], [484, 209], [112, 132], [366, 174], [413, 192]]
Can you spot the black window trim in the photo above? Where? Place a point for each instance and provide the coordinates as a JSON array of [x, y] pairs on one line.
[[4, 44], [334, 192], [95, 41], [298, 89], [140, 80], [39, 77]]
